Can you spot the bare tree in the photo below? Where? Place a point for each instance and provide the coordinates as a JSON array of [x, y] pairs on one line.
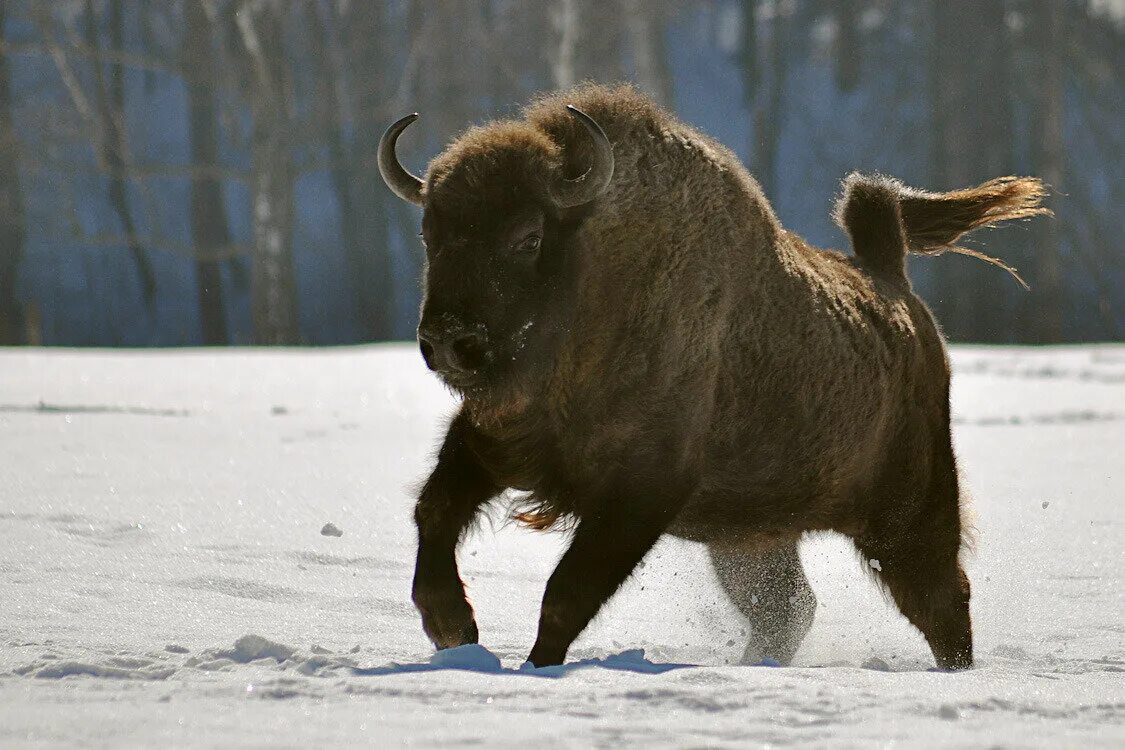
[[453, 83], [848, 51], [645, 20], [588, 41], [1090, 219], [1047, 29], [564, 16], [503, 70], [598, 55], [208, 215], [972, 137], [769, 103], [351, 43], [110, 139], [748, 51], [11, 207], [273, 293]]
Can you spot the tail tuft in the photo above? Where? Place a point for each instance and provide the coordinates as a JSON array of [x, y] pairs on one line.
[[869, 211], [885, 219]]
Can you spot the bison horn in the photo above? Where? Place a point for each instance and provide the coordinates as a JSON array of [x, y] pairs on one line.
[[401, 182], [568, 193]]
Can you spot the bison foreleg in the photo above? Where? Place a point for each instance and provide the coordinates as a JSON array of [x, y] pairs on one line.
[[449, 502], [605, 549]]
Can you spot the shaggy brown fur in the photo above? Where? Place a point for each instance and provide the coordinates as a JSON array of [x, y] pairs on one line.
[[674, 361]]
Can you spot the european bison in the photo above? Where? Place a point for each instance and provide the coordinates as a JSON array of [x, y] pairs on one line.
[[642, 348]]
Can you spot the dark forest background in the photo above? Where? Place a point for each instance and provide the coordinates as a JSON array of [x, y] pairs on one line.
[[193, 172]]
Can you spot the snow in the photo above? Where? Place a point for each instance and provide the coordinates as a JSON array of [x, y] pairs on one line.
[[164, 576]]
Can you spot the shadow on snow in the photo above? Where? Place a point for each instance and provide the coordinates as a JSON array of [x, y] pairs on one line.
[[476, 658]]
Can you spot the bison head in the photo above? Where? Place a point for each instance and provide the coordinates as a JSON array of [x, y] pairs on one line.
[[499, 216]]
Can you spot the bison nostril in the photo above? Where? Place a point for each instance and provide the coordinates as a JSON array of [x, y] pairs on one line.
[[427, 352], [468, 352]]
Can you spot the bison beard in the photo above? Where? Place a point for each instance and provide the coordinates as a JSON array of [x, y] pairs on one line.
[[642, 348]]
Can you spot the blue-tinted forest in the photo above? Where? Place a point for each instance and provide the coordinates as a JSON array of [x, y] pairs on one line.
[[203, 171]]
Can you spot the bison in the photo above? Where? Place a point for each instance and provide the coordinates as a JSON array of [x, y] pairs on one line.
[[642, 349]]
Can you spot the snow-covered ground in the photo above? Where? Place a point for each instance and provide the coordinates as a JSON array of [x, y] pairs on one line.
[[164, 577]]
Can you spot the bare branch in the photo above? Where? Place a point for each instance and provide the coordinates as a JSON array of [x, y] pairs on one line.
[[66, 73], [130, 241], [37, 161], [104, 57]]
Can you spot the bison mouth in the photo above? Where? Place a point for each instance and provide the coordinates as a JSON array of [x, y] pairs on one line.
[[463, 381], [502, 375], [473, 380]]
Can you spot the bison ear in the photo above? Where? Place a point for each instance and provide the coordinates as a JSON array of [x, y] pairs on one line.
[[401, 182], [570, 193]]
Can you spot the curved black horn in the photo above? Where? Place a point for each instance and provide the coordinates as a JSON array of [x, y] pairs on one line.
[[567, 193], [398, 179]]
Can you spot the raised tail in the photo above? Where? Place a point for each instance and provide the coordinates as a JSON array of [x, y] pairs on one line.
[[885, 219]]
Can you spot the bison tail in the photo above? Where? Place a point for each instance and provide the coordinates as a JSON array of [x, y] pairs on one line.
[[885, 219]]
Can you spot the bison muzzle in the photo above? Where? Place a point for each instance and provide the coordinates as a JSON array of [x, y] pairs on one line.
[[642, 349]]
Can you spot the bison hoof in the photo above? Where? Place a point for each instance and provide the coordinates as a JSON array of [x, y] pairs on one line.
[[448, 620], [454, 637], [542, 656], [955, 662]]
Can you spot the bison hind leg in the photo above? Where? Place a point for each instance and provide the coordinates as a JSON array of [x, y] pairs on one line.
[[912, 542], [768, 585], [933, 594], [918, 565]]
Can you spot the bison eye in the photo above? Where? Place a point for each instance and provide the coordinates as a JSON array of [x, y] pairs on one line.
[[529, 244]]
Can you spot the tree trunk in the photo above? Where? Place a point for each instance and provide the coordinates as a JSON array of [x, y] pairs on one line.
[[848, 53], [273, 292], [971, 143], [12, 329], [645, 21], [208, 215], [364, 84], [587, 41], [272, 286], [565, 19], [769, 109], [1047, 29], [502, 78], [453, 79], [748, 53], [110, 139], [598, 53]]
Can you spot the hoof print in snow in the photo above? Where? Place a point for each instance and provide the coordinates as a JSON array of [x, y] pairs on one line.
[[331, 529]]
